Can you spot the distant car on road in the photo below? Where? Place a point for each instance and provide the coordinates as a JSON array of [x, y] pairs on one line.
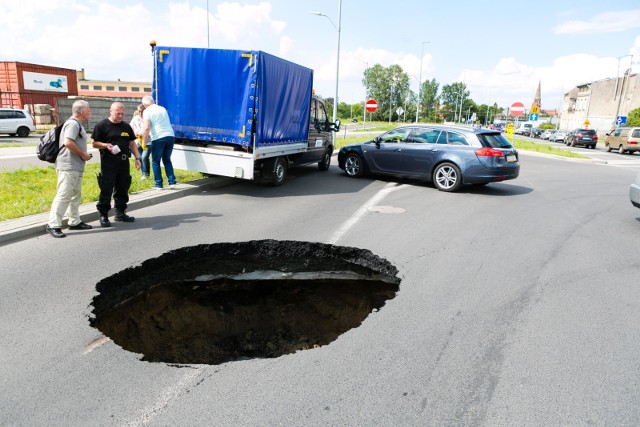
[[559, 135], [16, 122], [626, 139], [547, 134], [581, 136], [449, 156]]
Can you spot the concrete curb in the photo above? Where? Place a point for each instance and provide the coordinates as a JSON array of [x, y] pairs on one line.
[[22, 228]]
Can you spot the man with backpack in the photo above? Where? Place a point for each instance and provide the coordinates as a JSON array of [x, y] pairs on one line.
[[69, 168]]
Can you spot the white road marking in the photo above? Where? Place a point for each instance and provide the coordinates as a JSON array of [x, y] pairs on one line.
[[363, 210], [169, 394]]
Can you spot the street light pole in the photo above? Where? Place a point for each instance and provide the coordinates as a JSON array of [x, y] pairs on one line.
[[338, 28], [420, 82]]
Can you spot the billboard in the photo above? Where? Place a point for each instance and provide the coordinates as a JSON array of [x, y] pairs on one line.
[[45, 82]]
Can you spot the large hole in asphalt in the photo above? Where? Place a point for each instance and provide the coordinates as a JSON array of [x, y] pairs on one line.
[[231, 301]]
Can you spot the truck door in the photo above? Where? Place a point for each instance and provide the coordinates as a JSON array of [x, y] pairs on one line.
[[319, 135]]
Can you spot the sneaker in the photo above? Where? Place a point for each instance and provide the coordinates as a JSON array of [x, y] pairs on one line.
[[157, 188], [172, 186], [144, 177], [80, 226], [104, 221], [55, 231], [124, 217]]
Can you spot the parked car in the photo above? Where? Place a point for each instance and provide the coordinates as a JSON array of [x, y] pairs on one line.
[[559, 135], [625, 139], [581, 136], [634, 192], [536, 133], [449, 156], [547, 134], [16, 122]]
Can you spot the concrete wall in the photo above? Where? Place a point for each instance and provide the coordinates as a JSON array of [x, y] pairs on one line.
[[99, 109]]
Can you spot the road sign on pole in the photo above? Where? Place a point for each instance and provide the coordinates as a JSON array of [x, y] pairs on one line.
[[371, 105], [517, 109]]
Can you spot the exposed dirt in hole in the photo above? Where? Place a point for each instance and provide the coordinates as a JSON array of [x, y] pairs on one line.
[[230, 301]]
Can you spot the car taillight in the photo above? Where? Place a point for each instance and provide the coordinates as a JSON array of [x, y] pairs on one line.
[[489, 152], [632, 142], [578, 135], [595, 136]]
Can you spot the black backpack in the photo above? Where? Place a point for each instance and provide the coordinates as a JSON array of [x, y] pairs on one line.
[[49, 145]]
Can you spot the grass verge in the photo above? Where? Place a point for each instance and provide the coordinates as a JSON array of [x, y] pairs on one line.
[[30, 191]]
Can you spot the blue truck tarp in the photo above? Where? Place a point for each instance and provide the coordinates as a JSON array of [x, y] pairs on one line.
[[212, 95]]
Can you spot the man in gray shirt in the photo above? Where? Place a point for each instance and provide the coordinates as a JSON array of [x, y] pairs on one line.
[[69, 168]]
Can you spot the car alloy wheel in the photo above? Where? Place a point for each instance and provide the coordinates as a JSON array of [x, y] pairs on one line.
[[353, 165], [447, 177]]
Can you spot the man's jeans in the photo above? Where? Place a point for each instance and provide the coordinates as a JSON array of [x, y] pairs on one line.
[[161, 149]]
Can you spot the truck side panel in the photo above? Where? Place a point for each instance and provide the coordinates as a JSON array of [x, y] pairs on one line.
[[208, 93], [213, 94], [284, 101]]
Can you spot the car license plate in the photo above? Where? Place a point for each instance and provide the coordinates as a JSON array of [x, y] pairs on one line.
[[511, 158], [586, 138]]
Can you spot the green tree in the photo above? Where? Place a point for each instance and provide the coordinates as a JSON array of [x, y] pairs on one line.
[[450, 99], [428, 100], [633, 118], [389, 86]]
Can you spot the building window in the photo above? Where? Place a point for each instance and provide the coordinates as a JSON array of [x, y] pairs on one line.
[[97, 87], [135, 89], [111, 88], [147, 89], [122, 88], [84, 87]]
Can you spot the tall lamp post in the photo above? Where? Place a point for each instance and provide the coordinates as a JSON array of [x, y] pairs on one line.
[[335, 99], [420, 82]]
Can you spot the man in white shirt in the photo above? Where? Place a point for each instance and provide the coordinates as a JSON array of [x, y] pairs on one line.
[[159, 134]]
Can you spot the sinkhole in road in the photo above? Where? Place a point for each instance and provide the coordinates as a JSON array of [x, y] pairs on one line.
[[213, 303]]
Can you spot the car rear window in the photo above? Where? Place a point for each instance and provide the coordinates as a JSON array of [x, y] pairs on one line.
[[587, 131], [495, 140]]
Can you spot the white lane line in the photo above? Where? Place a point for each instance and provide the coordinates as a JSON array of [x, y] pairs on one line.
[[362, 211], [168, 395]]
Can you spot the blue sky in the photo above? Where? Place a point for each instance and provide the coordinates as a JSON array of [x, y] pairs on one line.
[[500, 49]]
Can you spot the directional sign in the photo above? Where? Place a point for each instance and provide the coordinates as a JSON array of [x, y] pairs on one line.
[[533, 117], [621, 120], [371, 105], [517, 109]]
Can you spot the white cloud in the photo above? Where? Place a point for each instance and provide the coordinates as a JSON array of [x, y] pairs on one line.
[[603, 23]]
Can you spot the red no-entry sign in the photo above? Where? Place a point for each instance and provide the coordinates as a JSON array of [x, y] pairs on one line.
[[371, 105], [517, 109]]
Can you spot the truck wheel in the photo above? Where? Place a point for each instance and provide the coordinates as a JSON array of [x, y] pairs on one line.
[[324, 164], [278, 171]]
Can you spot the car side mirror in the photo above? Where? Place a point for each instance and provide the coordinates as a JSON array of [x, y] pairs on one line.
[[335, 126]]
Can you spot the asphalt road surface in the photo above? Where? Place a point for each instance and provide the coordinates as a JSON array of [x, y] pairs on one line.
[[518, 305]]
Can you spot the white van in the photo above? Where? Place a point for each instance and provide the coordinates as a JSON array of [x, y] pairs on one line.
[[16, 122]]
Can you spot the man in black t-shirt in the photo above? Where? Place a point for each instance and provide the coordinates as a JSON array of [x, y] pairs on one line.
[[116, 141]]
